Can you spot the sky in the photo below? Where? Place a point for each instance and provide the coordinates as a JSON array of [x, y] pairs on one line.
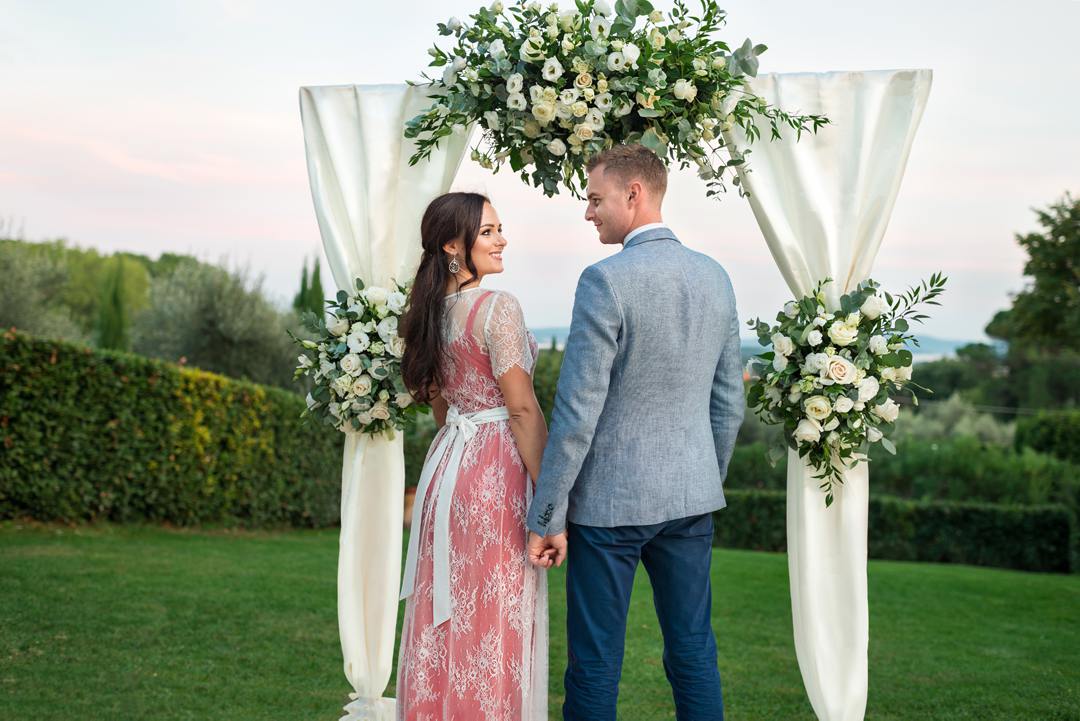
[[174, 127]]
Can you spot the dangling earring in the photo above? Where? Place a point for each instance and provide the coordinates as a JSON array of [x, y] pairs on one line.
[[454, 268]]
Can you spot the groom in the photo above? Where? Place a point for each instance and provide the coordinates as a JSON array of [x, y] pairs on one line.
[[649, 401]]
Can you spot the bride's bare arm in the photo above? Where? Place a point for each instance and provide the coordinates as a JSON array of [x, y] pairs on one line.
[[526, 419]]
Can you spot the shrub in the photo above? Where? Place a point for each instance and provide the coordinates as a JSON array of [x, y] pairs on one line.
[[1055, 433], [104, 435], [1032, 538]]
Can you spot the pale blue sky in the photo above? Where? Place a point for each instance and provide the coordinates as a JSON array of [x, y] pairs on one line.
[[152, 126]]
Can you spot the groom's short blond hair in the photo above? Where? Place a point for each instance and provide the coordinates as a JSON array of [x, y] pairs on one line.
[[633, 162]]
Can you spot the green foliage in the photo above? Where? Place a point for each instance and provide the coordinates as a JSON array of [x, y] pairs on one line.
[[1032, 538], [952, 417], [220, 321], [29, 291], [91, 435], [112, 326], [1055, 433]]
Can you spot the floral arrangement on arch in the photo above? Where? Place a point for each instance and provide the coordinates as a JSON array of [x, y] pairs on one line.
[[830, 376], [552, 87], [355, 362]]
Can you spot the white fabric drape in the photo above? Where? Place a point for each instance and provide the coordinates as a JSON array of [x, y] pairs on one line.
[[823, 204], [369, 202]]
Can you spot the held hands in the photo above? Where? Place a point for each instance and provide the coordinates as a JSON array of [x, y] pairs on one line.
[[547, 551]]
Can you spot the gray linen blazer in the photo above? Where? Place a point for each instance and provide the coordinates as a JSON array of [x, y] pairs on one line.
[[650, 395]]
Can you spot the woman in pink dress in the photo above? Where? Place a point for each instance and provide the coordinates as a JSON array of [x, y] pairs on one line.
[[474, 641]]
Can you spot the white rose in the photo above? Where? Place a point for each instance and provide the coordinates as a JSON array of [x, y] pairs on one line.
[[814, 337], [843, 404], [873, 306], [853, 319], [873, 434], [514, 83], [396, 346], [363, 418], [817, 407], [719, 62], [583, 131], [782, 344], [557, 148], [841, 370], [794, 396], [358, 342], [335, 409], [491, 119], [859, 406], [842, 334], [532, 50], [685, 90], [341, 385], [376, 295], [362, 385], [516, 101], [888, 374], [497, 49], [338, 326], [543, 112], [878, 345], [403, 400], [380, 411], [579, 109], [387, 328], [808, 431], [656, 16], [350, 364], [396, 301], [887, 411], [631, 53], [903, 374], [779, 362], [868, 389], [552, 70]]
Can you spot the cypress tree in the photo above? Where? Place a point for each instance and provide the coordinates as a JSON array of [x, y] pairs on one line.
[[112, 325], [315, 292], [300, 302]]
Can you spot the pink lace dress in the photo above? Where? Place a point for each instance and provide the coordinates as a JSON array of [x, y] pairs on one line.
[[488, 661]]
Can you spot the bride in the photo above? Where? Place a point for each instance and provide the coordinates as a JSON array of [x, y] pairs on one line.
[[474, 640]]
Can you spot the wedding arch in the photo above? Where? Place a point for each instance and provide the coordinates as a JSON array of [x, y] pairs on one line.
[[822, 204]]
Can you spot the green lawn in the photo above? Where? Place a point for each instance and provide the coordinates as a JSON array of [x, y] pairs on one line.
[[117, 623]]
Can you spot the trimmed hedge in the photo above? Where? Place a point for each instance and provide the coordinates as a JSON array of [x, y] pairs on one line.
[[1055, 433], [95, 435], [1030, 538]]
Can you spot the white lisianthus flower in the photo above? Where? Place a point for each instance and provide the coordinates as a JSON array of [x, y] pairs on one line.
[[631, 53], [362, 385], [887, 411], [616, 62], [817, 407], [808, 431], [569, 96], [779, 363], [602, 8], [403, 400], [497, 49], [841, 370], [772, 394], [719, 62], [868, 390], [833, 439], [657, 39], [338, 326], [358, 342], [552, 70], [843, 404], [595, 120], [557, 148], [563, 112], [873, 434], [674, 35], [453, 25], [814, 338], [310, 344], [888, 374], [304, 362], [491, 120], [516, 101], [903, 374], [531, 129], [325, 367], [685, 90], [853, 318], [380, 411], [656, 16], [497, 7], [794, 396], [567, 44], [335, 409], [387, 328], [363, 418], [568, 19], [550, 95], [700, 67], [350, 364], [878, 345], [599, 27], [310, 401], [532, 50], [622, 107], [544, 112], [832, 425], [376, 295], [815, 363], [782, 344], [873, 306], [514, 83], [341, 385], [396, 301], [791, 309], [842, 334], [603, 102]]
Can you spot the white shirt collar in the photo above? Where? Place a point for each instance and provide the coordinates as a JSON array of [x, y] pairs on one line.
[[641, 229]]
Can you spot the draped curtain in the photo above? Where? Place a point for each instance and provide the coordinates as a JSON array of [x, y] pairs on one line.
[[369, 202], [823, 204]]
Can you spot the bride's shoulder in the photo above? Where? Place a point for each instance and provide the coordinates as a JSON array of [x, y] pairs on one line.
[[504, 305]]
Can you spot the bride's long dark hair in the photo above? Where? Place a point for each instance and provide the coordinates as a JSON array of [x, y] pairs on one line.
[[447, 218]]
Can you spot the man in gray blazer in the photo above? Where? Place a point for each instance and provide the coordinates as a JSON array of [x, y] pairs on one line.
[[649, 402]]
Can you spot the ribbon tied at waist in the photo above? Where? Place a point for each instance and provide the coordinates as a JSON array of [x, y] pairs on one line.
[[460, 429]]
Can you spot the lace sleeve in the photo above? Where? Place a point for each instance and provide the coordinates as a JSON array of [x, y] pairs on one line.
[[506, 336]]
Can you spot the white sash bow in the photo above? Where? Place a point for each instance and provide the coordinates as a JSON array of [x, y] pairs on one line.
[[460, 429]]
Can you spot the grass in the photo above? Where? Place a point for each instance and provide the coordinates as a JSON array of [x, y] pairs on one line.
[[118, 623]]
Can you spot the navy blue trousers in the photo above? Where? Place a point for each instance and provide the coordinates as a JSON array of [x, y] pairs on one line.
[[600, 575]]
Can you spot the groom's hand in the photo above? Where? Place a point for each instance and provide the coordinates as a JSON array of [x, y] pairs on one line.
[[558, 545]]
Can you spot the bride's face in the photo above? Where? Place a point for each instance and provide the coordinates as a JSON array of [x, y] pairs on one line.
[[608, 208], [489, 244]]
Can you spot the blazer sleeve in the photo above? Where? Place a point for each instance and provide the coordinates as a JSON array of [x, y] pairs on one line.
[[728, 403], [579, 398]]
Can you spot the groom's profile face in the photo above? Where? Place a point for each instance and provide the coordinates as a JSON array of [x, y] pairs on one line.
[[608, 208]]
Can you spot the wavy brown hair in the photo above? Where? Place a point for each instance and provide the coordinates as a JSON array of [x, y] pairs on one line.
[[447, 218]]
